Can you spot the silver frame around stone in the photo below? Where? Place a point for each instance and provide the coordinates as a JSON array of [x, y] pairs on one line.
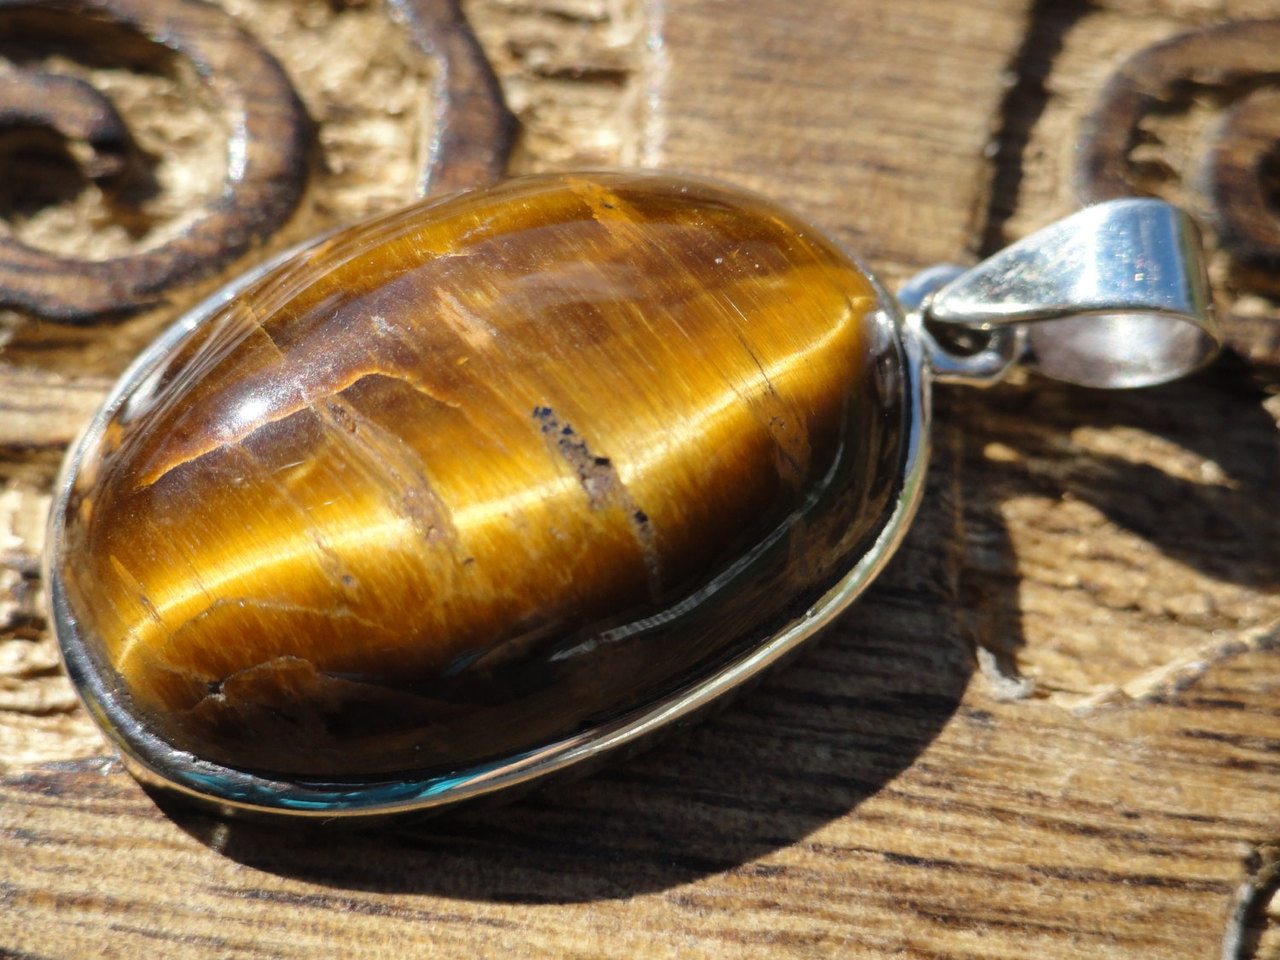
[[230, 792]]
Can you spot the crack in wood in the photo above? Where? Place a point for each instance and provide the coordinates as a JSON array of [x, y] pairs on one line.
[[1248, 919], [1169, 679], [1048, 23]]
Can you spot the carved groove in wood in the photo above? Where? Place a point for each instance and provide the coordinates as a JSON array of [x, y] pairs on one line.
[[267, 158], [1231, 71]]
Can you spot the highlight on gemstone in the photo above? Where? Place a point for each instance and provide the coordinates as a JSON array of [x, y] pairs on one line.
[[472, 477]]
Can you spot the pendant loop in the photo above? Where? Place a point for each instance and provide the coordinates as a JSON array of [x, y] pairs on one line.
[[1115, 295]]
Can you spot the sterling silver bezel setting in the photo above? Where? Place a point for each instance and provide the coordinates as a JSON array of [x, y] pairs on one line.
[[230, 792]]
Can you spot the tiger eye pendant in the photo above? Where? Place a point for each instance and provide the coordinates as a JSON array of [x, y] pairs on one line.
[[479, 491]]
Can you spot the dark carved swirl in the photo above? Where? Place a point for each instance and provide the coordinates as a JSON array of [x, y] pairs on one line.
[[265, 168], [1234, 67], [474, 130], [73, 110]]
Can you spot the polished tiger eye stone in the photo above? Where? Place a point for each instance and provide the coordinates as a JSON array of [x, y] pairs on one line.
[[483, 473]]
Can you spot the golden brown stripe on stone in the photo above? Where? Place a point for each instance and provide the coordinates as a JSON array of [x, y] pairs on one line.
[[466, 476]]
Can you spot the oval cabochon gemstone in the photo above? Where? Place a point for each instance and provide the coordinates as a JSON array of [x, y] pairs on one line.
[[471, 478]]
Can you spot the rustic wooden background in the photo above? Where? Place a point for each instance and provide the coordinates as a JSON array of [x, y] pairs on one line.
[[1052, 730]]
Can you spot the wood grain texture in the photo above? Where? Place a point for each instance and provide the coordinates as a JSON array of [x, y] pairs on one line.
[[1050, 731]]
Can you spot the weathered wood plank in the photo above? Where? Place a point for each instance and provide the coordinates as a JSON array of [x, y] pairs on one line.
[[1052, 729]]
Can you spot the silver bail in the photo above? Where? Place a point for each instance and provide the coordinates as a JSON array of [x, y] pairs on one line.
[[1115, 295]]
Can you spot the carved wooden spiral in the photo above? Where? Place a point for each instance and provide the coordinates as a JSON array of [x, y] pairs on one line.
[[1234, 68], [265, 166], [269, 137], [1136, 141]]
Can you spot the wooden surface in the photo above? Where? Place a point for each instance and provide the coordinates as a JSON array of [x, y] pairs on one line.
[[1051, 730]]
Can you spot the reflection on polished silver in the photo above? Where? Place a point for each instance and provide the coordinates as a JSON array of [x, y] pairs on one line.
[[973, 357], [1113, 296]]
